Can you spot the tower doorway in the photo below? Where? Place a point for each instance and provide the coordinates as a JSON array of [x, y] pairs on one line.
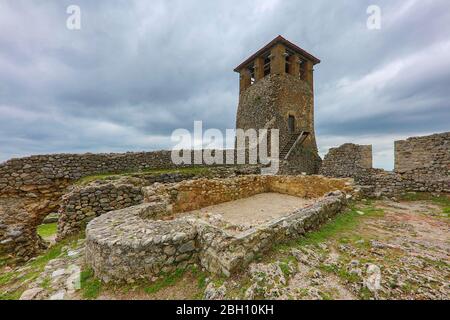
[[291, 124]]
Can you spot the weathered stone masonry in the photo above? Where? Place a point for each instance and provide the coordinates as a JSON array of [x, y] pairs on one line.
[[32, 187], [83, 203], [421, 164], [141, 241], [425, 155], [346, 160], [277, 92]]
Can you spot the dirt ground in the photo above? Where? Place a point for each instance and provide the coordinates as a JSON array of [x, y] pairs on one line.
[[397, 250], [381, 249]]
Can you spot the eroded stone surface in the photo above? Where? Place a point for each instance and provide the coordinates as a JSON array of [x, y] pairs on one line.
[[131, 243]]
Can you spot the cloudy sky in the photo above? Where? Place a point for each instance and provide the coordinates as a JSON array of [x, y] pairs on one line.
[[137, 70]]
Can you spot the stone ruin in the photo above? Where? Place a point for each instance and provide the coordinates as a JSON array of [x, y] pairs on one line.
[[35, 186], [159, 236], [144, 224], [422, 164]]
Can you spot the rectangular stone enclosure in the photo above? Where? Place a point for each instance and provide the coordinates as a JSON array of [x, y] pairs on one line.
[[220, 224]]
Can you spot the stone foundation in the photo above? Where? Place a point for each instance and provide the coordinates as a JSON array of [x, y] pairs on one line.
[[142, 241], [32, 187], [83, 203]]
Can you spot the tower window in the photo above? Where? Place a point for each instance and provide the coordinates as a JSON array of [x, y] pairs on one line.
[[251, 71], [288, 56], [266, 65], [287, 63]]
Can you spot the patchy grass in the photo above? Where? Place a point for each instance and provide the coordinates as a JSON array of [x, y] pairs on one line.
[[112, 176], [11, 296], [166, 281], [90, 286], [183, 283], [340, 225], [46, 282], [6, 278], [201, 277], [3, 261], [443, 200], [47, 230], [30, 270]]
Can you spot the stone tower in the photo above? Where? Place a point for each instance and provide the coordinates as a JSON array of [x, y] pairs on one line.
[[276, 92]]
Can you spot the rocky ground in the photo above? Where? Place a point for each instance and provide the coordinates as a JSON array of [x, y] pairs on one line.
[[383, 249]]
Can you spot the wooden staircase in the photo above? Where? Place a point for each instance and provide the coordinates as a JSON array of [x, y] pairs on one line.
[[294, 140]]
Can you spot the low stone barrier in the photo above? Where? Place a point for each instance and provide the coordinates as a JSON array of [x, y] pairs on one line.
[[199, 193], [142, 241], [83, 203]]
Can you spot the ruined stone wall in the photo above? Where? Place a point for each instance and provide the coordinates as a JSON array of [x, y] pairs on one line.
[[32, 187], [135, 243], [377, 182], [200, 193], [422, 164], [85, 202], [39, 174], [425, 155], [346, 160]]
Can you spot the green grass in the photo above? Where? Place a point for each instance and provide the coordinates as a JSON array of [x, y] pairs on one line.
[[5, 278], [34, 269], [111, 175], [201, 277], [90, 286], [47, 230], [443, 201], [166, 281], [340, 225], [11, 296], [52, 253], [46, 282]]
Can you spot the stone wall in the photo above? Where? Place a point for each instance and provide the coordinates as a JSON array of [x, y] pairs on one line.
[[123, 247], [377, 182], [199, 193], [425, 155], [224, 255], [85, 202], [422, 164], [82, 204], [142, 241], [32, 187], [346, 160]]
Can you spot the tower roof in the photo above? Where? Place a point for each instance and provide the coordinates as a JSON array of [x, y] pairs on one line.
[[272, 43]]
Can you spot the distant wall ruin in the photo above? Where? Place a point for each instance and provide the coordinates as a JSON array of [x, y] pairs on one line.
[[347, 159], [421, 164], [425, 155]]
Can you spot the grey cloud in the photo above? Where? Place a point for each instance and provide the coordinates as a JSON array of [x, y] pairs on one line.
[[140, 69]]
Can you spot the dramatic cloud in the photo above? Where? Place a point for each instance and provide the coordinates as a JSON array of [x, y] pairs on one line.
[[137, 70]]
